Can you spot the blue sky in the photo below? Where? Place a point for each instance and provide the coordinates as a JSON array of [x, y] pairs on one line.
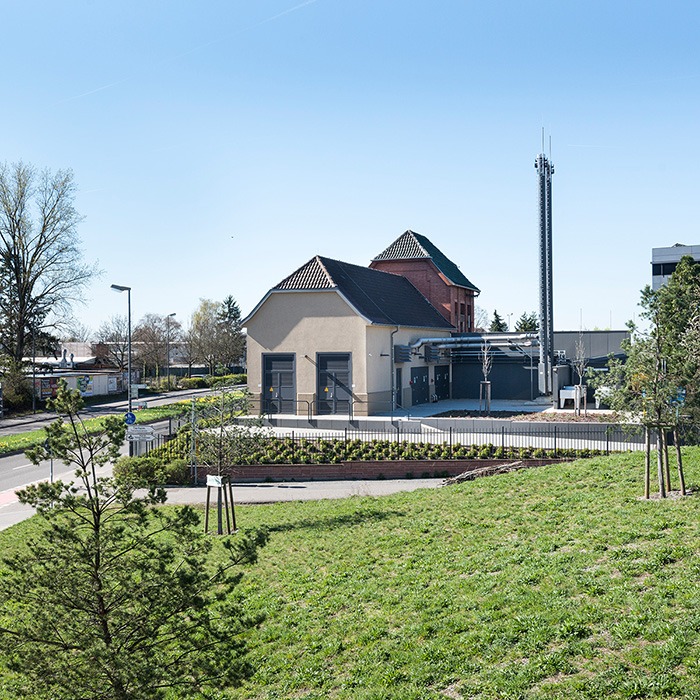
[[219, 145]]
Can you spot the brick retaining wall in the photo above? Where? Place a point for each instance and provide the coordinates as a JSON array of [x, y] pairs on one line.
[[388, 469]]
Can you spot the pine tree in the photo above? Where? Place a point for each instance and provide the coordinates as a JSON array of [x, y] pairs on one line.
[[498, 325], [116, 598]]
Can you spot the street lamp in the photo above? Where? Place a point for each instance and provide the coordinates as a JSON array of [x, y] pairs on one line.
[[119, 288], [167, 322]]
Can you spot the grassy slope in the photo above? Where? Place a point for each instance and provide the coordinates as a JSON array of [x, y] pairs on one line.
[[554, 582]]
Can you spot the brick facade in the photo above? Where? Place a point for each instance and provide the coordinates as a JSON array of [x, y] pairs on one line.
[[455, 304], [389, 469]]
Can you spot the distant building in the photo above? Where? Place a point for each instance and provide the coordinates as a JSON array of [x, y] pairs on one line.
[[664, 261]]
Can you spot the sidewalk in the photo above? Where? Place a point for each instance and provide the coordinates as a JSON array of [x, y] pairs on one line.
[[13, 512], [265, 492]]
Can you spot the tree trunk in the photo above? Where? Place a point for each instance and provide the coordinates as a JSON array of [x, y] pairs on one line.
[[660, 462], [679, 461], [664, 438], [647, 460]]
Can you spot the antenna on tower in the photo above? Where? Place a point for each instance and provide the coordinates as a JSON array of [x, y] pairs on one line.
[[542, 140]]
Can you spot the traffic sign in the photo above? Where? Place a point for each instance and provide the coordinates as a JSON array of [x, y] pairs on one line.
[[140, 437], [129, 418], [140, 430]]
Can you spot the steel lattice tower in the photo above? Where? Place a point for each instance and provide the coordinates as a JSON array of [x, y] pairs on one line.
[[545, 170]]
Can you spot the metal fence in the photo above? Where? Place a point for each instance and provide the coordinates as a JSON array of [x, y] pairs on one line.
[[429, 442]]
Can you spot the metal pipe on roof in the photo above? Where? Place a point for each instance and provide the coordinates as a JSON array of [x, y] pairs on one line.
[[498, 339]]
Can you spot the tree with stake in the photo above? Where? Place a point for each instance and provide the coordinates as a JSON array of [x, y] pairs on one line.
[[658, 384], [579, 362], [222, 440], [116, 599], [486, 356]]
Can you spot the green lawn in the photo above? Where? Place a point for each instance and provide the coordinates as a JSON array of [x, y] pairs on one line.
[[553, 582], [24, 441]]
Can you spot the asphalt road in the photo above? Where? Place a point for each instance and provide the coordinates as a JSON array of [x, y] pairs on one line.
[[27, 423]]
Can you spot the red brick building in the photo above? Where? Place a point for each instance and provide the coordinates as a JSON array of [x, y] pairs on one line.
[[435, 276]]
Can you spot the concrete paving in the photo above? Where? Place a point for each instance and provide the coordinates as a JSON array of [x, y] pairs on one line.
[[432, 409], [258, 493], [13, 512]]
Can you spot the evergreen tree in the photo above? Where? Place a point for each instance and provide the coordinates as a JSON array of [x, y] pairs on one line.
[[528, 323], [498, 325], [116, 598], [231, 341]]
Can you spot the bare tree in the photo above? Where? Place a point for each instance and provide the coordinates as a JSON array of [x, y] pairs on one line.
[[115, 335], [151, 339], [481, 318], [189, 348], [76, 332], [41, 264], [486, 356], [580, 361], [205, 330]]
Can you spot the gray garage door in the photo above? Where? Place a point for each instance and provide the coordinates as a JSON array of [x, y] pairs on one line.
[[279, 389], [334, 383]]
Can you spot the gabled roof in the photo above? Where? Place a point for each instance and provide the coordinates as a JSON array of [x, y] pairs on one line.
[[381, 297], [313, 275], [412, 246]]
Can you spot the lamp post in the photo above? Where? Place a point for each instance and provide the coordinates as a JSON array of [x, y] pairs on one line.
[[34, 368], [120, 288], [167, 322]]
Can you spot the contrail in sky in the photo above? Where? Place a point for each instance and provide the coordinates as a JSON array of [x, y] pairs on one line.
[[196, 48]]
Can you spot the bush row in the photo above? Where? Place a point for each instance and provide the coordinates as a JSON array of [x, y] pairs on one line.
[[150, 469], [212, 382], [286, 451]]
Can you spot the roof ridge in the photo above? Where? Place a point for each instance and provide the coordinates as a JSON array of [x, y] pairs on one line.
[[328, 275], [415, 236]]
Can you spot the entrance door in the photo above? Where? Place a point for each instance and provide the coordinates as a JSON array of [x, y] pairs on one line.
[[419, 385], [279, 391], [334, 382], [442, 382]]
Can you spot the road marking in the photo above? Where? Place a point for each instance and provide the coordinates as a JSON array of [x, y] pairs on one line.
[[7, 497], [22, 466]]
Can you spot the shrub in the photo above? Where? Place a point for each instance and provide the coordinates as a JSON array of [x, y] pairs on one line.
[[139, 470], [177, 472], [226, 380], [17, 392], [193, 383]]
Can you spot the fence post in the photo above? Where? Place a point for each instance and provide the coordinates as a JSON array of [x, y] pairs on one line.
[[294, 449], [607, 442], [503, 439], [346, 444], [555, 439], [450, 442]]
